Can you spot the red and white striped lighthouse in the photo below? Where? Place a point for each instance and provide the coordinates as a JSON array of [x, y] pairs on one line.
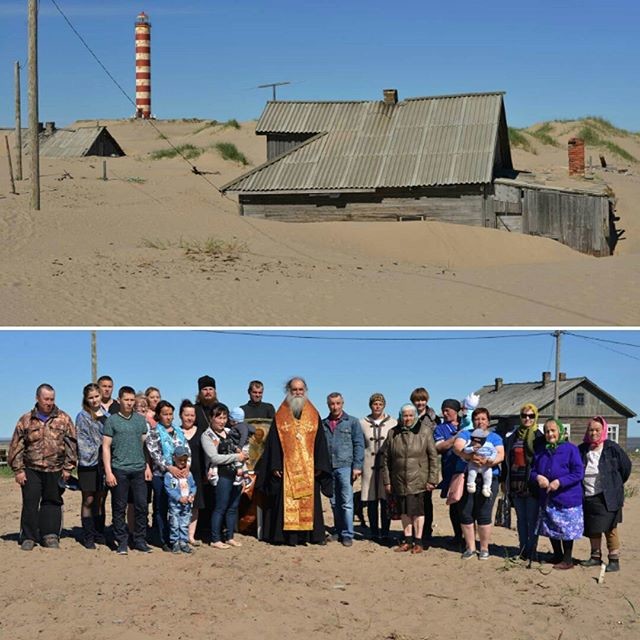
[[143, 66]]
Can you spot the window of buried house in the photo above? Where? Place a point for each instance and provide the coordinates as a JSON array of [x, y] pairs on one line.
[[580, 399]]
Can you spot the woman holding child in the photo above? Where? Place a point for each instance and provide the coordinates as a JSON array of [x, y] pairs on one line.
[[220, 463], [483, 451]]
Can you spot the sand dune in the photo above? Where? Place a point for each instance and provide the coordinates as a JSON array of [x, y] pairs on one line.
[[155, 229]]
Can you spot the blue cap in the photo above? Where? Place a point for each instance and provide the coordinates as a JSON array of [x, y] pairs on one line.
[[181, 451]]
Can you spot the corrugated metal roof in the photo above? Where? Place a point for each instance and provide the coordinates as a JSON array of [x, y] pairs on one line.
[[508, 399], [368, 145], [70, 143]]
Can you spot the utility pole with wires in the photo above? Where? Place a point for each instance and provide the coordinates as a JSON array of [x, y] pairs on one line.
[[556, 390], [273, 86], [34, 141], [94, 357], [18, 139]]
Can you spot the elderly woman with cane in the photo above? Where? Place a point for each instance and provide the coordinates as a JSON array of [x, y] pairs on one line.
[[410, 469], [606, 468]]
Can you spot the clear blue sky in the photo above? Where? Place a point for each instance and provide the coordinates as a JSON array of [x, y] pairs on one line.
[[173, 360], [554, 59]]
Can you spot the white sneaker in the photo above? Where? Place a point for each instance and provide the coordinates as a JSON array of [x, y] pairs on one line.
[[471, 488], [486, 492]]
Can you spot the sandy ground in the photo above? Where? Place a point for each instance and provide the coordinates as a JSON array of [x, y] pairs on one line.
[[103, 253], [363, 592]]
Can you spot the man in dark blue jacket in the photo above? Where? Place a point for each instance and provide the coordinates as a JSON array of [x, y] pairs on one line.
[[346, 448]]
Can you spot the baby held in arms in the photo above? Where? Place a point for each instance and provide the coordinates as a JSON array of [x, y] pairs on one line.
[[478, 446]]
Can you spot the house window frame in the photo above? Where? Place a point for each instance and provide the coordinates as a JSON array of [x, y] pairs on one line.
[[580, 399], [614, 433]]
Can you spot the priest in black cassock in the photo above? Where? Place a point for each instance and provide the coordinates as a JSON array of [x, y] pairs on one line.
[[293, 470]]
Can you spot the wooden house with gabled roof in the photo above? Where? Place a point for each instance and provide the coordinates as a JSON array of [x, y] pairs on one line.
[[431, 158]]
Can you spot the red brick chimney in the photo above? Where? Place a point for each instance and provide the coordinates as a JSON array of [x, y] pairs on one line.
[[576, 157], [390, 96]]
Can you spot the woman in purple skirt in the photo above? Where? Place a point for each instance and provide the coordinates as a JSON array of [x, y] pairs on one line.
[[558, 471]]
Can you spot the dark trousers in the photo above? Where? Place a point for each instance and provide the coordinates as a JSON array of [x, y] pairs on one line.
[[160, 510], [119, 494], [379, 520], [427, 530], [41, 505], [454, 516], [226, 508]]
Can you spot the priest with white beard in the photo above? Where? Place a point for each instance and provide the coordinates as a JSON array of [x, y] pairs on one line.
[[293, 470]]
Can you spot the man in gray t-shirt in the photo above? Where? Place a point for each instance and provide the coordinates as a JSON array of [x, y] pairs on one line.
[[126, 467]]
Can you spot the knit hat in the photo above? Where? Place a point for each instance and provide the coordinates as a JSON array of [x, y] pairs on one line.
[[206, 381], [236, 414], [478, 434], [471, 402], [451, 403], [181, 451]]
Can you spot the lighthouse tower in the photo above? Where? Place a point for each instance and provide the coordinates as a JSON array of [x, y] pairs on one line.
[[143, 66]]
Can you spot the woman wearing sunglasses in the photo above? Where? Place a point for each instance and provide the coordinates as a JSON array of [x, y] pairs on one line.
[[519, 448]]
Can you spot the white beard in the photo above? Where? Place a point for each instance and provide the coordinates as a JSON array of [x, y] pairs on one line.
[[296, 404]]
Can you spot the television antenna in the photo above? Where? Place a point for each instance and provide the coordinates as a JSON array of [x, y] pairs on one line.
[[273, 86]]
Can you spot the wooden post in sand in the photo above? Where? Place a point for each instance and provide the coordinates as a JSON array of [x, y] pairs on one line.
[[104, 170], [13, 184], [18, 125], [34, 142]]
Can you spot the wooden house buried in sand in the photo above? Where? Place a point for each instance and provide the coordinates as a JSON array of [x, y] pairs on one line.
[[77, 143], [444, 158], [579, 400]]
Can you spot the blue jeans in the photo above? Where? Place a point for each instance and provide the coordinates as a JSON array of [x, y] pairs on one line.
[[179, 515], [160, 508], [227, 501], [342, 503], [527, 515]]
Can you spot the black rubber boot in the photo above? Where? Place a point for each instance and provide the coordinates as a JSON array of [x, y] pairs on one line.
[[614, 565], [89, 530], [594, 561], [98, 523]]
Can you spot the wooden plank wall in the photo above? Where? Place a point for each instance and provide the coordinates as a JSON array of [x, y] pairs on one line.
[[577, 220], [466, 209]]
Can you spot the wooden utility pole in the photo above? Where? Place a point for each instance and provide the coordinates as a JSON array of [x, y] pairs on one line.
[[13, 184], [94, 357], [34, 142], [18, 140], [556, 391]]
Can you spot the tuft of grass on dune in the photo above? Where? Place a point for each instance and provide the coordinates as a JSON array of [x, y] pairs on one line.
[[592, 138], [543, 134], [519, 139], [229, 151], [189, 151]]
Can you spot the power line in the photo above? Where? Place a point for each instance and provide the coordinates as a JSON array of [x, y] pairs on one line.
[[375, 339], [622, 344]]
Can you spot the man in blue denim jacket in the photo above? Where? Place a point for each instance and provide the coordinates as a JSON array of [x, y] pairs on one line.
[[346, 448]]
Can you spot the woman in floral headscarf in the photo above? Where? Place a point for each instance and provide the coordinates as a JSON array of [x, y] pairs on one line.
[[519, 447], [557, 470], [607, 468]]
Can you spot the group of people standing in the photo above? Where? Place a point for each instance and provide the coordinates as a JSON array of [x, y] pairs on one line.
[[195, 472]]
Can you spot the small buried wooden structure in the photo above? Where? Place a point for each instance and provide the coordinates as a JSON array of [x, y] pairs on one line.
[[444, 158], [77, 143]]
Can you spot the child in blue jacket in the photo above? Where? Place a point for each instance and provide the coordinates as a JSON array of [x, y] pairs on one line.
[[181, 493]]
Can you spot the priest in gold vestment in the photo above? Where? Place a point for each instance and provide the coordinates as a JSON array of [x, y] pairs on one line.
[[293, 470]]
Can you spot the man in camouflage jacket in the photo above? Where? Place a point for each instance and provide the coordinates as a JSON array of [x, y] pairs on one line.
[[43, 451]]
